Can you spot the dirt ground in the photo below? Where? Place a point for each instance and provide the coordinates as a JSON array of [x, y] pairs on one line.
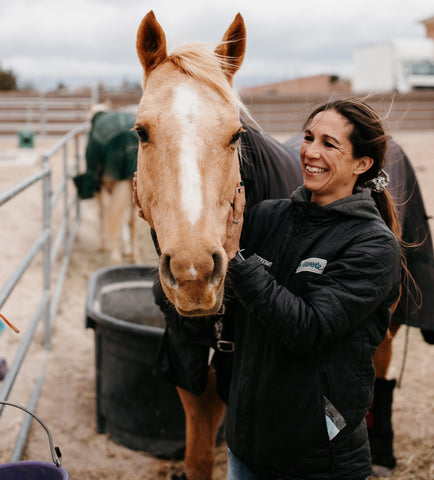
[[67, 402]]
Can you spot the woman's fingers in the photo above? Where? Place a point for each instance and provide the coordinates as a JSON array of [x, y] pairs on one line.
[[235, 222], [239, 202], [135, 197]]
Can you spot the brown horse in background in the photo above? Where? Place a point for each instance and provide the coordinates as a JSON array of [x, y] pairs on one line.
[[111, 153]]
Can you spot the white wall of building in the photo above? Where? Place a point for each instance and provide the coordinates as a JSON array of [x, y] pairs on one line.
[[387, 67]]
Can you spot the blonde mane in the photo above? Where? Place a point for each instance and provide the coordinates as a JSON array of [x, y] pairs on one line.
[[197, 61]]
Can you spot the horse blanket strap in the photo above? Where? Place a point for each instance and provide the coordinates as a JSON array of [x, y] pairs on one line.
[[224, 346], [214, 340], [217, 343]]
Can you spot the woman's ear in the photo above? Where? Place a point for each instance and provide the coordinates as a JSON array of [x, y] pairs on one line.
[[363, 165]]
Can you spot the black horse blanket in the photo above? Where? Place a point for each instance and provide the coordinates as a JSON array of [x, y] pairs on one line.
[[111, 151]]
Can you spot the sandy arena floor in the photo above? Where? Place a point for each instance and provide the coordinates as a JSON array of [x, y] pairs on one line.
[[67, 403]]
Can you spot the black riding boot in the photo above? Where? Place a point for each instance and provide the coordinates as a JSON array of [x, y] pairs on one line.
[[380, 424]]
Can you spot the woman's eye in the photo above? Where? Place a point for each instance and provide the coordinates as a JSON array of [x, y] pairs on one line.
[[308, 138], [329, 145], [143, 134]]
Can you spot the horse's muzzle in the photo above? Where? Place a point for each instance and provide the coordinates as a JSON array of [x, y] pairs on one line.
[[195, 288]]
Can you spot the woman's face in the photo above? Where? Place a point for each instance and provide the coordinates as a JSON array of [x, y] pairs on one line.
[[329, 169]]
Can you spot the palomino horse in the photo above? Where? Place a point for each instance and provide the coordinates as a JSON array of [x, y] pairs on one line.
[[188, 123], [189, 128], [110, 164]]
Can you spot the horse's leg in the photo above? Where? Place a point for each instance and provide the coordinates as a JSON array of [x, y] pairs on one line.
[[120, 199], [383, 355], [203, 416], [101, 201], [380, 415]]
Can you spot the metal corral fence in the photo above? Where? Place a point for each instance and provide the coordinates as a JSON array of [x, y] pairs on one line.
[[42, 114], [62, 243]]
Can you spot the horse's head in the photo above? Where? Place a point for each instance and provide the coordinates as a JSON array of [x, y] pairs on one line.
[[188, 124]]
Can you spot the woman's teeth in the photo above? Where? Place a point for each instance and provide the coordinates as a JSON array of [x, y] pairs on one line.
[[315, 169]]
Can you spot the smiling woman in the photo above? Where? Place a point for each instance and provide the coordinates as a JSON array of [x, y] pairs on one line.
[[359, 134], [330, 170], [317, 280]]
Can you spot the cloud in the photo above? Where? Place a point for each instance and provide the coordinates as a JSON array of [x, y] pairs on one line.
[[95, 39]]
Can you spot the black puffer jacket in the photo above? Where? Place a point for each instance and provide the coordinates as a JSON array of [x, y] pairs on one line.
[[315, 304]]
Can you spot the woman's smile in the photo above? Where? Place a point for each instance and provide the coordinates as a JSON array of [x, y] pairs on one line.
[[312, 170]]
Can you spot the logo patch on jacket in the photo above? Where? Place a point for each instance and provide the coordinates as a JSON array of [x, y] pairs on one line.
[[313, 265]]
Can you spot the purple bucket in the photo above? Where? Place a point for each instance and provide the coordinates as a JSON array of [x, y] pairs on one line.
[[31, 470]]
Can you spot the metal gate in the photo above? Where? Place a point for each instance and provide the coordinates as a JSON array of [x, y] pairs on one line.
[[56, 248]]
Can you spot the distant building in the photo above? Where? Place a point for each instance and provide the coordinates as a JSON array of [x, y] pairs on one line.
[[401, 65], [396, 65], [308, 85]]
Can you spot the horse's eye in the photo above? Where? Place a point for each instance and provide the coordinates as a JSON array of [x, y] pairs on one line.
[[236, 137], [143, 134]]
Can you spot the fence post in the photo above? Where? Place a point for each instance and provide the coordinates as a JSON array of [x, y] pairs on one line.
[[65, 197], [77, 170], [46, 225], [43, 115]]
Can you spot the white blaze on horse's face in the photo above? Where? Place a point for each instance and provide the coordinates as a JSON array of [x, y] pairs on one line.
[[186, 107], [187, 165]]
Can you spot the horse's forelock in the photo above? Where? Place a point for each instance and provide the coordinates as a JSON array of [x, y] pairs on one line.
[[202, 64]]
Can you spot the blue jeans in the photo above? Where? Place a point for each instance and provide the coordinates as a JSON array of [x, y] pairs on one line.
[[238, 471]]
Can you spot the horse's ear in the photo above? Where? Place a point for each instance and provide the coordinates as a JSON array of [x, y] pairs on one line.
[[151, 43], [233, 46]]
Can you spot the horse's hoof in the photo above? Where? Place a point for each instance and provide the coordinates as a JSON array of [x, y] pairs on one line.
[[380, 471], [182, 477], [116, 258], [132, 258]]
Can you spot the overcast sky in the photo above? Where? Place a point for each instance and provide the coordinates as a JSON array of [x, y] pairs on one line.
[[78, 42]]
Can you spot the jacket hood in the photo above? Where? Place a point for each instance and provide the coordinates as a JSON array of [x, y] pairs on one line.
[[360, 204]]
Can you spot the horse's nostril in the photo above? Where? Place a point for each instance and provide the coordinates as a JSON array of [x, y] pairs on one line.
[[217, 273], [166, 272]]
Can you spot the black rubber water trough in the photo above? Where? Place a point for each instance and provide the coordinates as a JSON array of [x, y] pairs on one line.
[[136, 409]]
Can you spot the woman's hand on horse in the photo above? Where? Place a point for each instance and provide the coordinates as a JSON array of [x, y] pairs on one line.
[[135, 197], [235, 222]]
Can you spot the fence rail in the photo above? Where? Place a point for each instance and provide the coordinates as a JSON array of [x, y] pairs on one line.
[[51, 292], [276, 114], [42, 114]]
